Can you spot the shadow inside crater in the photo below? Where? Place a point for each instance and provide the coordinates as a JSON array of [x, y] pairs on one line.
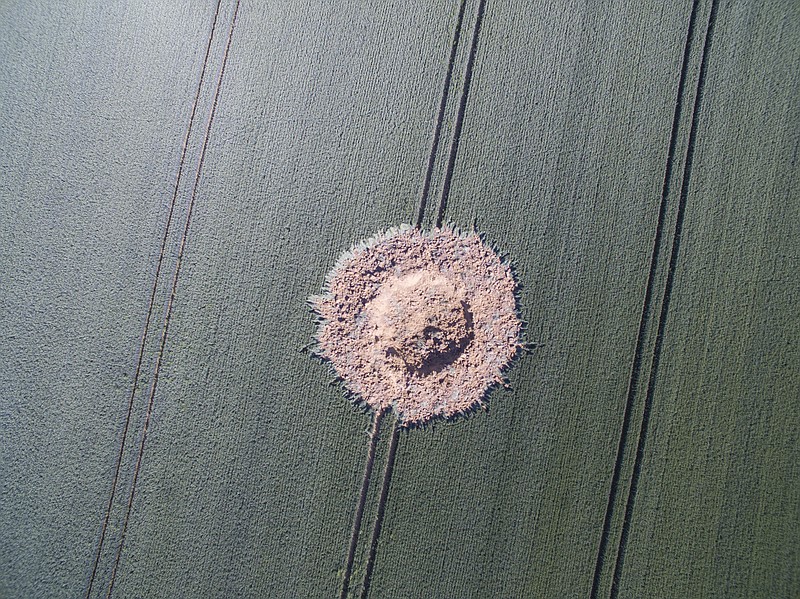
[[453, 349]]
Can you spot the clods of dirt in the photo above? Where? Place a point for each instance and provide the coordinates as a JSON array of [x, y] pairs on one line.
[[421, 323]]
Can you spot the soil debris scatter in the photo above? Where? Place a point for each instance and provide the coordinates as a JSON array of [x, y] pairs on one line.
[[421, 323]]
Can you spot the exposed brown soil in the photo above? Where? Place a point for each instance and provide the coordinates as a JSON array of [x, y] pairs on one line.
[[421, 323]]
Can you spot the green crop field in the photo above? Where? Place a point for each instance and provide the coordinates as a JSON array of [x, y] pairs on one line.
[[177, 179]]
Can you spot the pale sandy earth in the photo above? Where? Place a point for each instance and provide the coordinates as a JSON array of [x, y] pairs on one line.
[[422, 323]]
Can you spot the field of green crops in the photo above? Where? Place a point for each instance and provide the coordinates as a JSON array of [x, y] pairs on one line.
[[176, 179]]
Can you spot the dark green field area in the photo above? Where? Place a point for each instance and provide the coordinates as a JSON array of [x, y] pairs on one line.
[[177, 179]]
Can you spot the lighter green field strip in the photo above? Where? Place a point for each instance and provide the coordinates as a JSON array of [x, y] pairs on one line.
[[254, 461], [94, 101]]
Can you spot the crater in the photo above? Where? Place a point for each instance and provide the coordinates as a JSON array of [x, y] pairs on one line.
[[422, 324]]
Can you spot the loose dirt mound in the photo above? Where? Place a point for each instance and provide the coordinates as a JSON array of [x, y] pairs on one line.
[[421, 323]]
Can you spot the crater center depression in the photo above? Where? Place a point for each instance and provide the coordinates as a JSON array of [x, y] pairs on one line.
[[421, 319]]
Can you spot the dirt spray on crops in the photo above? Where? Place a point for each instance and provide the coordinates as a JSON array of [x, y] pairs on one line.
[[420, 323]]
